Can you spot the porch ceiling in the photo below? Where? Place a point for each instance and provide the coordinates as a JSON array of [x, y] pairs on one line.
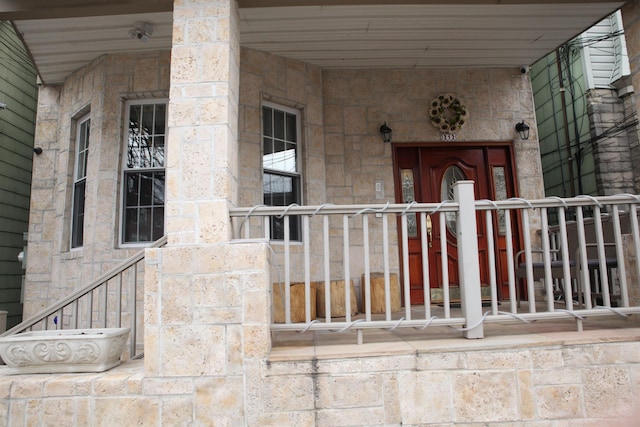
[[64, 35]]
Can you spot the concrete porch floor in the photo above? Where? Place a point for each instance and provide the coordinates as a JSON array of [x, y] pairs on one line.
[[322, 344]]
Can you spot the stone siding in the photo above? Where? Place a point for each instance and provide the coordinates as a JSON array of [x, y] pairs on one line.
[[568, 379], [54, 270], [612, 156], [342, 152]]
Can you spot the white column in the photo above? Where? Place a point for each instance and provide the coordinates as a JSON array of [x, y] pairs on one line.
[[468, 263]]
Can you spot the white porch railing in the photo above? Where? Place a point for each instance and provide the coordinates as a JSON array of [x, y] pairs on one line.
[[581, 266]]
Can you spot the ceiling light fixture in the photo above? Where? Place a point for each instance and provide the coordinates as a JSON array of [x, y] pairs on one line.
[[141, 31]]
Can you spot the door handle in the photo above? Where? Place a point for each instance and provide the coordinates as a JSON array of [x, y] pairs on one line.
[[429, 231]]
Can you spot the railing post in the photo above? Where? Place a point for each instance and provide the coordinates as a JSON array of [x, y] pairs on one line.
[[468, 263]]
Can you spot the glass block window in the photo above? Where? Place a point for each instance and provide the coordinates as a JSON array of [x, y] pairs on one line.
[[143, 172], [281, 180]]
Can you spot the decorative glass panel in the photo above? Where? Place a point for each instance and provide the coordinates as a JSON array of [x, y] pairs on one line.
[[452, 175], [500, 191], [408, 196]]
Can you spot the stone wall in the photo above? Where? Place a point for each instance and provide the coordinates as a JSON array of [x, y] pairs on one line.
[[343, 155], [582, 379], [612, 156], [54, 269], [357, 102]]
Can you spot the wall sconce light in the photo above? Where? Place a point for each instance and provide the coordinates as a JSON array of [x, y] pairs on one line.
[[523, 130], [385, 132], [141, 31]]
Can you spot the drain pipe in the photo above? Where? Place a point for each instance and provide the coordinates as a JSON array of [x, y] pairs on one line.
[[566, 124]]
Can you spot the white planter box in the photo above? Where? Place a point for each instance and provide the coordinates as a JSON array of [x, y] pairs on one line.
[[71, 350]]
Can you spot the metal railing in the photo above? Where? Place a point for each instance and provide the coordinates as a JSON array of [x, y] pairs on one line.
[[573, 269], [111, 300]]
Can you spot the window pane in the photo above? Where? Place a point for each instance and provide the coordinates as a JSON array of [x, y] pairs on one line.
[[133, 190], [158, 189], [158, 152], [500, 190], [81, 170], [267, 158], [267, 121], [160, 119], [146, 189], [144, 199], [292, 134], [144, 225], [77, 227], [408, 196], [158, 223], [290, 164], [131, 225], [146, 127], [452, 175], [278, 124]]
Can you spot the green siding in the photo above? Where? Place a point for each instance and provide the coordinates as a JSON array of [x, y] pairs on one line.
[[563, 131], [18, 91]]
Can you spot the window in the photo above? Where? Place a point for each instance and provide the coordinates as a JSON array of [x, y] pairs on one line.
[[144, 176], [281, 168], [80, 181]]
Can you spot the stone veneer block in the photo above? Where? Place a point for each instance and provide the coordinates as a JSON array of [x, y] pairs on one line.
[[220, 399], [425, 397], [127, 411], [484, 396], [193, 350], [561, 401]]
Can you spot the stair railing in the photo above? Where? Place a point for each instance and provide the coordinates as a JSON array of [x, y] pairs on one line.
[[67, 313]]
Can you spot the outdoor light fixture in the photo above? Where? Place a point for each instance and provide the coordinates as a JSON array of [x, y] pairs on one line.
[[523, 130], [141, 31], [385, 132]]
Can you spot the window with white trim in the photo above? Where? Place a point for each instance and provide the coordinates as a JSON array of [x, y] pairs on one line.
[[143, 172], [281, 180], [80, 181]]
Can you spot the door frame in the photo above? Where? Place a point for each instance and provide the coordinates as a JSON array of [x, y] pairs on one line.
[[485, 146]]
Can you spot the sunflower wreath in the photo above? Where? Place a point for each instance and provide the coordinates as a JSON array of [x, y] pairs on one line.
[[447, 114]]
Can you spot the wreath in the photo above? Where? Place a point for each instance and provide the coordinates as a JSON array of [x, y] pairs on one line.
[[447, 113]]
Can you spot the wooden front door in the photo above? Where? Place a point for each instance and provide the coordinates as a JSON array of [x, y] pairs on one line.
[[426, 173]]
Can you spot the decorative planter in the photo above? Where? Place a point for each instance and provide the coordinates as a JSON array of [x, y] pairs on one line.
[[71, 350]]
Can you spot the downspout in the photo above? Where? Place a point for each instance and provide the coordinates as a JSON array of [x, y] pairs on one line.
[[575, 123], [566, 125]]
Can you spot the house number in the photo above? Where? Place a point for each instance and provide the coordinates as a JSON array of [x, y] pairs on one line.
[[447, 137]]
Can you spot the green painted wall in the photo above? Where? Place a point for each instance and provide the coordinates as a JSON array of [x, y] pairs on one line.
[[563, 129], [18, 91]]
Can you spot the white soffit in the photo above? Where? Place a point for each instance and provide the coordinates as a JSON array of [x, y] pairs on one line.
[[374, 36]]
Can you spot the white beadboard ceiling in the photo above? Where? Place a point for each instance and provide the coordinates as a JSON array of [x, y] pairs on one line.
[[467, 34]]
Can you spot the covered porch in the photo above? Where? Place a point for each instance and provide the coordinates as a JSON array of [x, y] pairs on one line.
[[205, 316]]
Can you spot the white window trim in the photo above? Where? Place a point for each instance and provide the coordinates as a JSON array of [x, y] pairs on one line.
[[79, 122], [299, 147], [123, 166]]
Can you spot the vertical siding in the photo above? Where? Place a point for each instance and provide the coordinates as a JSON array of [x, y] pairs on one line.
[[605, 53], [563, 156], [19, 92]]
